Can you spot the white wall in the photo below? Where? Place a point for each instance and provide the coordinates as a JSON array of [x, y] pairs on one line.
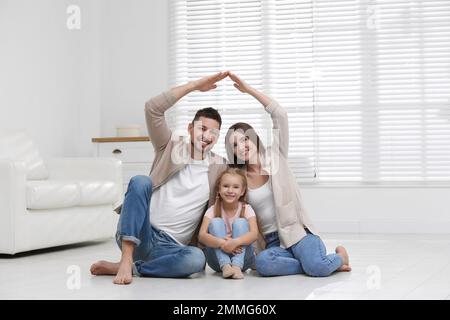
[[375, 209], [134, 60], [49, 75]]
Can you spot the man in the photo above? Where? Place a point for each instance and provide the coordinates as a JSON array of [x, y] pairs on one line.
[[154, 235]]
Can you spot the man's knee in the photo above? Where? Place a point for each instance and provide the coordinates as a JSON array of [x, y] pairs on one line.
[[194, 260], [140, 183]]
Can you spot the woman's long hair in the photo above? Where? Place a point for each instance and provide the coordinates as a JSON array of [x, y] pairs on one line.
[[251, 134], [243, 198]]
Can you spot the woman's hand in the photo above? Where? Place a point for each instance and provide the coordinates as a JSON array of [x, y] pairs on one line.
[[239, 83], [208, 83]]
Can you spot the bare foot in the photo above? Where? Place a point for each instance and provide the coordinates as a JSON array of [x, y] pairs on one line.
[[227, 271], [124, 273], [237, 273], [345, 268], [340, 250], [104, 268]]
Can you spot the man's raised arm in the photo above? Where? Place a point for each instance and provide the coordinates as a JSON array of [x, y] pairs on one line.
[[156, 107]]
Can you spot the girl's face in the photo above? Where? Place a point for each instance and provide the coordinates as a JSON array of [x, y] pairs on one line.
[[231, 188], [243, 147]]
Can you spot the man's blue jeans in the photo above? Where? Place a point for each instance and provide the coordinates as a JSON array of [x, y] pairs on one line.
[[216, 258], [308, 256], [156, 254]]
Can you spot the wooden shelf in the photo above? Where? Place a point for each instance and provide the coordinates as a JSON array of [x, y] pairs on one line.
[[120, 139]]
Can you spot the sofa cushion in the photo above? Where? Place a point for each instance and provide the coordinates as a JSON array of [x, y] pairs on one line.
[[52, 194], [16, 145], [97, 192]]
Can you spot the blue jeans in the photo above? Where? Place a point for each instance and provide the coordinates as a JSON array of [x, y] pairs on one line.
[[308, 256], [216, 258], [156, 254]]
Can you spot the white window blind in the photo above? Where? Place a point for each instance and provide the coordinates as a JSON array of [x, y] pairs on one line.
[[366, 83]]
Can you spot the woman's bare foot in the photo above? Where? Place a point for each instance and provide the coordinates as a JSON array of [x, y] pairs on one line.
[[104, 268], [124, 274], [340, 250], [227, 271], [237, 273]]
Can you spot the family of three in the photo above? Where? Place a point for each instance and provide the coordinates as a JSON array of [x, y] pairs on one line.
[[197, 208]]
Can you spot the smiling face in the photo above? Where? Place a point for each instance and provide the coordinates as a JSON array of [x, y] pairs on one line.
[[243, 147], [204, 133], [231, 188]]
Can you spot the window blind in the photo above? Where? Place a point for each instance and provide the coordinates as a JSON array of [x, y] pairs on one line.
[[366, 84]]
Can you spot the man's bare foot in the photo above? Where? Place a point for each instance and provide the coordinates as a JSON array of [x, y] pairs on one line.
[[340, 250], [104, 268], [345, 268], [227, 271], [237, 273], [124, 274]]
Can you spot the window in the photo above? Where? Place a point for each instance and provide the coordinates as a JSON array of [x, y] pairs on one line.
[[366, 83]]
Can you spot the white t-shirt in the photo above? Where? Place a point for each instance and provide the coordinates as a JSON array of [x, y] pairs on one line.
[[261, 199], [177, 206]]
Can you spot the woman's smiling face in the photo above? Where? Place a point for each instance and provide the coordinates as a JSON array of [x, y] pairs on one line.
[[243, 147]]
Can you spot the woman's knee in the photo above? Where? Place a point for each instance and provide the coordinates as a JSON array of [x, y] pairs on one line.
[[263, 261], [316, 268]]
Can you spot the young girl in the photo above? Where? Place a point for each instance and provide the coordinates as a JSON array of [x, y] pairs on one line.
[[229, 227]]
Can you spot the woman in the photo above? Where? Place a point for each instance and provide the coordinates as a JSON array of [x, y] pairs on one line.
[[291, 241]]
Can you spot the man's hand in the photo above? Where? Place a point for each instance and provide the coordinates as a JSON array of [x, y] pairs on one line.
[[239, 83], [208, 83]]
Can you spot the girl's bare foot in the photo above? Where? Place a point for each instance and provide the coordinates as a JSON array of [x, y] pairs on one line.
[[237, 273], [124, 274], [340, 250], [227, 271], [104, 268]]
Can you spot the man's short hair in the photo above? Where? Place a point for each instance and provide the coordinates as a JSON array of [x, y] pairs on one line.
[[209, 113]]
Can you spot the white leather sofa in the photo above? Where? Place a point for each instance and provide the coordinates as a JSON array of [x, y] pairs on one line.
[[56, 202]]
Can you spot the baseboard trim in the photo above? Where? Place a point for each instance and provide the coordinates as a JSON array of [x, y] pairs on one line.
[[384, 226]]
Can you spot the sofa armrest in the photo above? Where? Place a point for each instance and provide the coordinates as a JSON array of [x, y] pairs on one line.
[[87, 169], [12, 201]]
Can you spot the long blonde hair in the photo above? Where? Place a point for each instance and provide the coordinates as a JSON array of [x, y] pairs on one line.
[[243, 198]]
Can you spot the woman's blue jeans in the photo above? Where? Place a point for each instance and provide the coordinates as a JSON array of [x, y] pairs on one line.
[[216, 258], [156, 254], [308, 256]]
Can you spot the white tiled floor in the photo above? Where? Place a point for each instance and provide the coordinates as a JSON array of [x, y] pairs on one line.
[[384, 267]]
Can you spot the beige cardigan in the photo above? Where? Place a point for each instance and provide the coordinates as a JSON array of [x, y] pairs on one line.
[[291, 216]]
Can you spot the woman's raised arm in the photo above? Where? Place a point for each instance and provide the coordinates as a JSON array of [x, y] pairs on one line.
[[278, 114]]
